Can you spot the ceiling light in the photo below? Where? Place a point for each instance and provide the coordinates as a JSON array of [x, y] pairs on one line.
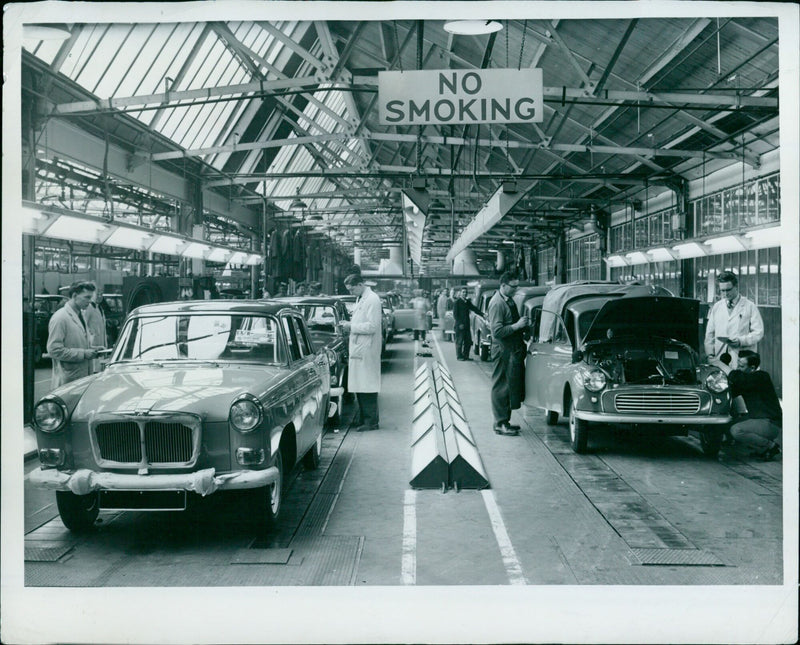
[[166, 244], [616, 261], [66, 227], [764, 238], [509, 242], [727, 244], [472, 27], [219, 254], [253, 259], [195, 250], [297, 203], [637, 257], [128, 238], [689, 250], [238, 257], [661, 254]]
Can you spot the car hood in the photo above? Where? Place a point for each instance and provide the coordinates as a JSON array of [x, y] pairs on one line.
[[201, 389], [647, 317]]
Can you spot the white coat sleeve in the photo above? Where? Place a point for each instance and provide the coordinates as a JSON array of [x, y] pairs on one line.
[[56, 337], [710, 333], [756, 324]]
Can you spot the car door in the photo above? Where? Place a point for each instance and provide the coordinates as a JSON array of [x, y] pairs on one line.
[[548, 357], [312, 386]]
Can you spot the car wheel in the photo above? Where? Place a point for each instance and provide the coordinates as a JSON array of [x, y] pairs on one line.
[[711, 442], [578, 431], [273, 496], [478, 345], [78, 512], [311, 459], [484, 353], [551, 417]]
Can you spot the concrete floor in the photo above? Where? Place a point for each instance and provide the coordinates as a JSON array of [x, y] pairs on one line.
[[550, 517]]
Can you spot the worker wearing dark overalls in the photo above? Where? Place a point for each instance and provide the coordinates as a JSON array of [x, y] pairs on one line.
[[508, 354]]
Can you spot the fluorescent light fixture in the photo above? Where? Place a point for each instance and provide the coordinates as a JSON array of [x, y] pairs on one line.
[[616, 261], [661, 254], [509, 242], [472, 27], [238, 258], [66, 227], [195, 250], [45, 32], [167, 244], [637, 257], [254, 259], [764, 238], [219, 254], [726, 244], [690, 250], [32, 220], [128, 238]]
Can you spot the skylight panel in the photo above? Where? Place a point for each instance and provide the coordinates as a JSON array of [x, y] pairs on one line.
[[82, 51], [45, 50]]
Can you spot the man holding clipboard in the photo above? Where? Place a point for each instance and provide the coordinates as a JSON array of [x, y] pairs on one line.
[[734, 324]]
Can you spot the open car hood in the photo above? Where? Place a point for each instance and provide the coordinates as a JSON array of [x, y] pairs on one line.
[[648, 317]]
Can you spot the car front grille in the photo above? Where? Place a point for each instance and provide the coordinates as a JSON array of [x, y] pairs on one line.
[[164, 442], [657, 402]]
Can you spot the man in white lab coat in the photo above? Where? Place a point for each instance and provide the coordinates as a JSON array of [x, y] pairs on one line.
[[734, 323], [364, 365], [68, 341]]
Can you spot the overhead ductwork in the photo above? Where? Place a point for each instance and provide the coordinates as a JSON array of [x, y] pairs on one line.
[[391, 266], [464, 263]]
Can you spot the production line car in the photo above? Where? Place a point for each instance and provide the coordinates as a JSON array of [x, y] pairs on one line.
[[198, 397], [323, 316], [605, 353]]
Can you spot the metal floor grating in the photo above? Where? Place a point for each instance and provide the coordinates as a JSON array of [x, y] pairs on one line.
[[677, 557], [46, 553]]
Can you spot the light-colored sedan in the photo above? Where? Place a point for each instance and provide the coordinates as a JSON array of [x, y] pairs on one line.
[[198, 397]]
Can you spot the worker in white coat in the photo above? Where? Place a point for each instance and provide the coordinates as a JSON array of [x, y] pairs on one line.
[[734, 324], [68, 341], [364, 365], [96, 326], [422, 314]]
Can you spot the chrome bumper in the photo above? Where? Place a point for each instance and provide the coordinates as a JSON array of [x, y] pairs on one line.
[[203, 482], [603, 417]]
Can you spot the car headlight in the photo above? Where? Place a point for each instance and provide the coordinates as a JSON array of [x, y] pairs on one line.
[[246, 413], [595, 380], [717, 381], [50, 414]]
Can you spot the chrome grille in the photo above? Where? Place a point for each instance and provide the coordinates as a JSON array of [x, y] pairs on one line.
[[657, 402], [167, 442], [119, 441]]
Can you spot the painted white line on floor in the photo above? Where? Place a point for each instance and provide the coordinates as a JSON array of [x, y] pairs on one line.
[[341, 485], [510, 561], [409, 565]]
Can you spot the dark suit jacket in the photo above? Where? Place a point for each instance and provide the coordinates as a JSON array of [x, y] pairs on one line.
[[500, 321]]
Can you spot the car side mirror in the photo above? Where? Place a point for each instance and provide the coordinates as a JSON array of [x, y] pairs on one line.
[[577, 356]]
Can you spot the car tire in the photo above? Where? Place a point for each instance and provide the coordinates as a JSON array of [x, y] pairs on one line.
[[312, 457], [578, 431], [478, 345], [551, 417], [711, 442], [484, 353], [78, 512], [272, 498]]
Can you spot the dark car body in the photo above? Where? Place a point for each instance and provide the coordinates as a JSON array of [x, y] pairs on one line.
[[198, 397], [44, 306], [605, 353]]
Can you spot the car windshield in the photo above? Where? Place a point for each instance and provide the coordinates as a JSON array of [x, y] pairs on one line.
[[196, 336], [319, 318], [350, 305]]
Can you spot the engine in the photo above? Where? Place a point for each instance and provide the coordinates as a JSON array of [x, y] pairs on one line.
[[636, 362]]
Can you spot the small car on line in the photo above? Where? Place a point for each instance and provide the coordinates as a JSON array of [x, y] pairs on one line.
[[612, 354], [198, 397], [323, 316]]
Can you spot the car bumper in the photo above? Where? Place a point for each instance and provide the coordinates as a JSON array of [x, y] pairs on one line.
[[203, 482], [603, 417]]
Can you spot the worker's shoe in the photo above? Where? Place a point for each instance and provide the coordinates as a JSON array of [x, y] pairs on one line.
[[513, 426], [505, 429], [770, 453], [366, 427]]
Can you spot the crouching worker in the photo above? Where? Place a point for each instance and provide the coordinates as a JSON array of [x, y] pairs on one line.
[[760, 426]]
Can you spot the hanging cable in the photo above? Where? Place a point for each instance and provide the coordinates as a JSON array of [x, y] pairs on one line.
[[522, 46]]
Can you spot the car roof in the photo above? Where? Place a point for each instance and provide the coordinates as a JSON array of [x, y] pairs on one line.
[[563, 294], [213, 306], [306, 300]]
